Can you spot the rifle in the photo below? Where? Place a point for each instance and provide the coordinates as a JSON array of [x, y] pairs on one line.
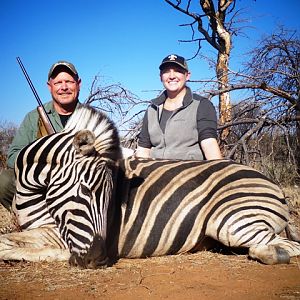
[[41, 109]]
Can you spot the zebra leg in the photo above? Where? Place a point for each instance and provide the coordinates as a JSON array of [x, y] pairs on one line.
[[271, 249], [269, 254], [262, 240], [38, 244], [278, 251]]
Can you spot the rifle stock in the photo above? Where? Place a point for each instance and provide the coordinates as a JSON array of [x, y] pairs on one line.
[[41, 110], [44, 117]]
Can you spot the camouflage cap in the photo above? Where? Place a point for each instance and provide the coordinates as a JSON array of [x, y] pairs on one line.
[[62, 64]]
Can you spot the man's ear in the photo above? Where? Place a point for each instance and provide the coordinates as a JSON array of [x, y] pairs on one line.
[[49, 86], [188, 75]]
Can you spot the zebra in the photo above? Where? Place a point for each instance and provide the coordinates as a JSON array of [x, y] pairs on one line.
[[142, 207], [64, 181]]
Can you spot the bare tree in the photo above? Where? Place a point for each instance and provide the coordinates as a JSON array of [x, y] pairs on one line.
[[210, 22], [7, 132], [275, 69], [122, 106], [265, 126]]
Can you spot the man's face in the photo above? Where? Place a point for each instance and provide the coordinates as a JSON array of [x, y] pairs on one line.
[[64, 89], [174, 77]]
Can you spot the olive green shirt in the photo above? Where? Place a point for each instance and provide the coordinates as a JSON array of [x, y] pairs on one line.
[[27, 132]]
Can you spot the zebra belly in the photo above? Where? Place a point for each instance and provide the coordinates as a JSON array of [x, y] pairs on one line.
[[157, 238]]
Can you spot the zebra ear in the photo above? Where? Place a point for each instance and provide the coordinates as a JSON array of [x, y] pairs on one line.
[[84, 141]]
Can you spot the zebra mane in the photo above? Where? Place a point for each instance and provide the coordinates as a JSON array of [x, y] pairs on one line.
[[107, 141]]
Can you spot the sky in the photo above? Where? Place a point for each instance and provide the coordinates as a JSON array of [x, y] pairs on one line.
[[121, 41]]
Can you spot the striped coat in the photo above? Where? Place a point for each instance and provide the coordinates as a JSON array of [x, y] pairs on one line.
[[170, 207]]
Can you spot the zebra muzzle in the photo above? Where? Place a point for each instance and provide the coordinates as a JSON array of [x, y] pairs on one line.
[[95, 258]]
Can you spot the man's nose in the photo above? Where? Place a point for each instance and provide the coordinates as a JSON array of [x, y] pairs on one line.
[[64, 85]]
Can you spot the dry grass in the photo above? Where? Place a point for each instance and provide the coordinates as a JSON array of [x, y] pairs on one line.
[[6, 221], [293, 195]]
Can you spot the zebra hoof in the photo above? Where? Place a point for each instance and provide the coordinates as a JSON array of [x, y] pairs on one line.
[[283, 256], [269, 254]]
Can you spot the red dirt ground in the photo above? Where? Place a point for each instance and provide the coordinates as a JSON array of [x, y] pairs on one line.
[[203, 275]]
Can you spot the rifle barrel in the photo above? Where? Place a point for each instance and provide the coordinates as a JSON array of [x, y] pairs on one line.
[[29, 82], [41, 110]]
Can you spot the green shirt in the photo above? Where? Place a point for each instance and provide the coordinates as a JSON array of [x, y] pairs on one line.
[[27, 132]]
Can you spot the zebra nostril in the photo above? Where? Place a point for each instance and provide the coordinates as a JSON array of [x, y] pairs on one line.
[[73, 260], [97, 264], [96, 256], [77, 261]]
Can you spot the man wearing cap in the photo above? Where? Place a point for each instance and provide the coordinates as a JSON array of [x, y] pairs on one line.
[[64, 86], [178, 124]]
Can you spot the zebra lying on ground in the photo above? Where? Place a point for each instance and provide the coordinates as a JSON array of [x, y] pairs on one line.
[[76, 201], [64, 183]]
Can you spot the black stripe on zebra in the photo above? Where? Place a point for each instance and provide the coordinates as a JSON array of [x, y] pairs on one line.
[[167, 209]]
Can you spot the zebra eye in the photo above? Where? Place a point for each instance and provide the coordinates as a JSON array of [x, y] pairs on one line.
[[86, 191]]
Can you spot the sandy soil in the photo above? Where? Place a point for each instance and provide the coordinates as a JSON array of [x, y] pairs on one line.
[[202, 275]]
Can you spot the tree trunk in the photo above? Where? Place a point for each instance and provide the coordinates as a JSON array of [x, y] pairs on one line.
[[224, 98], [222, 69]]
